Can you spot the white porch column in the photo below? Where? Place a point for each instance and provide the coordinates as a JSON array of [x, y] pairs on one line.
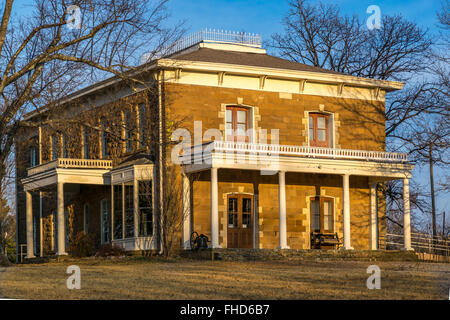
[[282, 209], [41, 231], [29, 223], [61, 220], [373, 217], [214, 210], [406, 216], [346, 187], [186, 212]]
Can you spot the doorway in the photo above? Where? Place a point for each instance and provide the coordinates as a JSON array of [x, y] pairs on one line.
[[240, 221]]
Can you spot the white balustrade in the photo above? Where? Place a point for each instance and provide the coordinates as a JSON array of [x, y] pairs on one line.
[[300, 151], [71, 163]]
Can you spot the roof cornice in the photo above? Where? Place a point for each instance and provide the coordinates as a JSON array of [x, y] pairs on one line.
[[320, 77]]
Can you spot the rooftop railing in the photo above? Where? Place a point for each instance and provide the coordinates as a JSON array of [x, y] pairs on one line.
[[210, 35]]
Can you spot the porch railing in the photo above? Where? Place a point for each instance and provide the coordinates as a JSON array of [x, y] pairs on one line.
[[71, 163], [420, 242], [300, 151]]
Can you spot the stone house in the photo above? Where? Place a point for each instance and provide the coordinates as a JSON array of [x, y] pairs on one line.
[[272, 152]]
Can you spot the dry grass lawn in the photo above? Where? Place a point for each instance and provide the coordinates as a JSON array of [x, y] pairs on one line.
[[138, 278]]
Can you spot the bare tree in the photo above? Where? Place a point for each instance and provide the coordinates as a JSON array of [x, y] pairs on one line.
[[319, 35], [42, 59]]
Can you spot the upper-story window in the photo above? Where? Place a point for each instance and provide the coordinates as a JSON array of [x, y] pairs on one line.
[[65, 150], [237, 124], [54, 147], [86, 147], [319, 130], [34, 159], [127, 131], [142, 125], [104, 140]]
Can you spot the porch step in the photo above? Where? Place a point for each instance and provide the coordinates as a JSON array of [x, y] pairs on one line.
[[307, 255]]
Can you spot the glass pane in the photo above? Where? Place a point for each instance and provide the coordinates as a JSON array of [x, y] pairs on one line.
[[229, 128], [321, 122], [229, 115], [328, 215], [145, 208], [315, 215], [241, 130], [311, 122], [246, 205], [241, 116], [311, 134], [129, 212], [118, 212], [321, 135], [246, 220], [232, 212]]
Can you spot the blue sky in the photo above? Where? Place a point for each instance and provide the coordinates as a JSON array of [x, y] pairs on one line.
[[264, 16]]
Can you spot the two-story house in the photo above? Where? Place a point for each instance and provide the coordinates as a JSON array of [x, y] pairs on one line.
[[272, 152]]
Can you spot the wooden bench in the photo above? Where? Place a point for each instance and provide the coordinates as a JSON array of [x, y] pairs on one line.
[[327, 240]]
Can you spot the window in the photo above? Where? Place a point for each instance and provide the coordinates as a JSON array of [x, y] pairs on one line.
[[34, 236], [104, 212], [129, 211], [118, 212], [86, 218], [322, 214], [65, 151], [54, 147], [237, 124], [319, 130], [105, 140], [142, 125], [34, 161], [145, 208], [86, 149], [127, 131]]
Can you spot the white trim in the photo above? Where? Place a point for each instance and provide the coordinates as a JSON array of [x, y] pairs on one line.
[[320, 77]]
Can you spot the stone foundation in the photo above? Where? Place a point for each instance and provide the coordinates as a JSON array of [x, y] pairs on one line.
[[306, 255]]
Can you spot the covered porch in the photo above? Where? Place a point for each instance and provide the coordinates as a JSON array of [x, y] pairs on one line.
[[278, 162], [125, 215]]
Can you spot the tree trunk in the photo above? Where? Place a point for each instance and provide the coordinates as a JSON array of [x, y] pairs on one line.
[[433, 205]]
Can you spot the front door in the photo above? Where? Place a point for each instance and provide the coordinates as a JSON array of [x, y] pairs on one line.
[[240, 221]]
